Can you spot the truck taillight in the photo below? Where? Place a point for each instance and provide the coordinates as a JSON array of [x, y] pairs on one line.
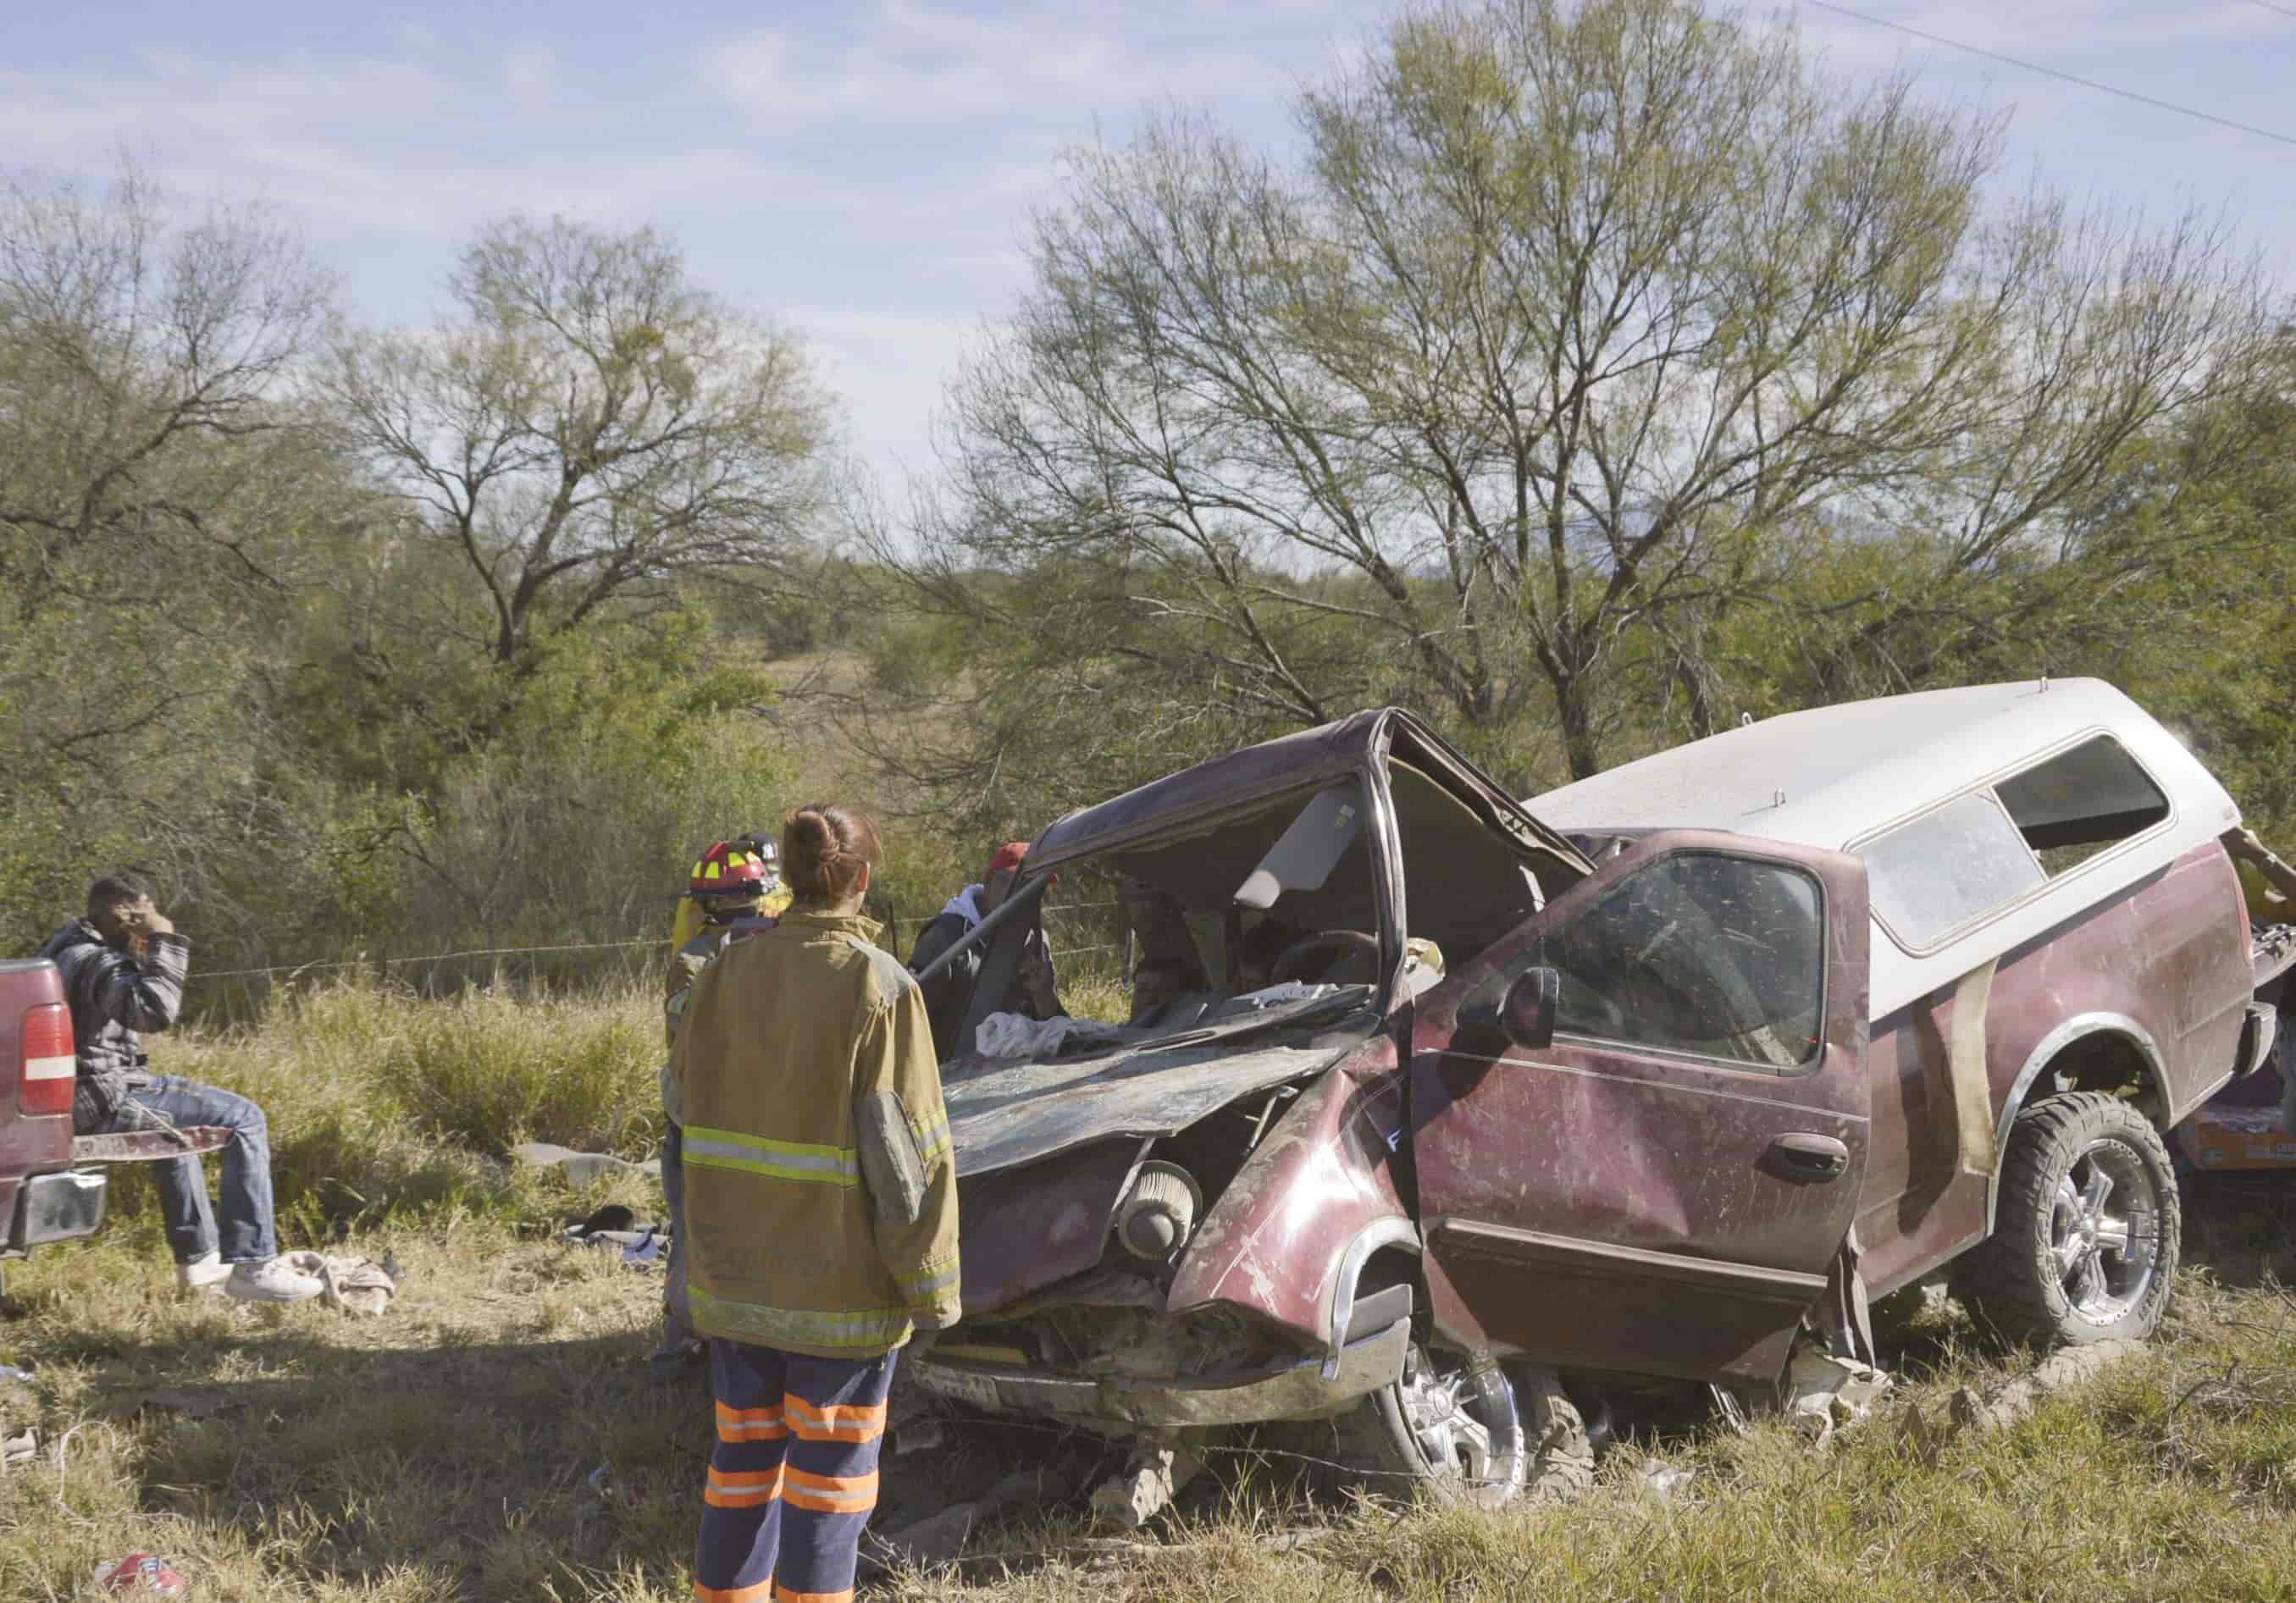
[[44, 1059]]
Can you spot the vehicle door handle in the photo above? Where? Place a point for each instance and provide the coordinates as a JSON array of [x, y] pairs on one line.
[[1804, 1156]]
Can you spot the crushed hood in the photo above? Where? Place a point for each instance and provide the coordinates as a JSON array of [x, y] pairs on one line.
[[1003, 1114]]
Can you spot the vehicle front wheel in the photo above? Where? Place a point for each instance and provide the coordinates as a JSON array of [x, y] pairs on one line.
[[1472, 1433], [2085, 1236]]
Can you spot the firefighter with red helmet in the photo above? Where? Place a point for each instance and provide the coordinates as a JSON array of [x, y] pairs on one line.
[[734, 890]]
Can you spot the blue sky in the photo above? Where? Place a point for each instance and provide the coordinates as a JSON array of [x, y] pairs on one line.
[[864, 172]]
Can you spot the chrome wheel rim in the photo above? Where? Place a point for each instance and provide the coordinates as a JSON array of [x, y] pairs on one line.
[[2105, 1230], [1462, 1419]]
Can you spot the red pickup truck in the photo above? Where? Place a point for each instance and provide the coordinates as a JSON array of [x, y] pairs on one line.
[[43, 1195]]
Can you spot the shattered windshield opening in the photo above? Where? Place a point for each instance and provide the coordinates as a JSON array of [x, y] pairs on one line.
[[1262, 919]]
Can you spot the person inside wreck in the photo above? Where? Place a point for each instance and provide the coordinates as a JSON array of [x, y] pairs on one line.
[[123, 967], [821, 1200], [948, 994]]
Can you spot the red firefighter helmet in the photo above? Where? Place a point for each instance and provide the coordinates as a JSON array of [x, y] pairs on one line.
[[735, 870]]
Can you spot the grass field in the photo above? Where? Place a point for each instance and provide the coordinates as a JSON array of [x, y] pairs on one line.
[[446, 1450]]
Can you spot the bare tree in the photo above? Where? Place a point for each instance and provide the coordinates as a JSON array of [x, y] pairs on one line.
[[1572, 320], [591, 425], [161, 495], [134, 344]]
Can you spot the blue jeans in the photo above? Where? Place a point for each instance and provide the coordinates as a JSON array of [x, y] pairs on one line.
[[154, 1102]]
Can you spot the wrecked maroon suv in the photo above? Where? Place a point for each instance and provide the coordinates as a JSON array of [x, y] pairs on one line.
[[1428, 1113]]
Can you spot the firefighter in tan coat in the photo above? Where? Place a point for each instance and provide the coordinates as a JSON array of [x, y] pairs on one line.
[[821, 1212]]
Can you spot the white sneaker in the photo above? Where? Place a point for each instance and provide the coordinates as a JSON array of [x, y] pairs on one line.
[[203, 1273], [270, 1281]]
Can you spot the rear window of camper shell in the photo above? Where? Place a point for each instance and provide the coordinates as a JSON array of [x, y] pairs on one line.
[[1980, 853]]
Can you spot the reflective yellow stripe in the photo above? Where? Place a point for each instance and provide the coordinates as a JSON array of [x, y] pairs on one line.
[[777, 1160], [932, 1140], [921, 1288], [865, 1328]]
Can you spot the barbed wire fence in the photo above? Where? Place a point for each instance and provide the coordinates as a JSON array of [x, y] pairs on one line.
[[1087, 943]]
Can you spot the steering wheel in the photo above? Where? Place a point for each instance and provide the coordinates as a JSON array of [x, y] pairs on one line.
[[1316, 956]]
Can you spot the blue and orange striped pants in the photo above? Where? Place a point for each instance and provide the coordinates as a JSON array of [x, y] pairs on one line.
[[792, 1476]]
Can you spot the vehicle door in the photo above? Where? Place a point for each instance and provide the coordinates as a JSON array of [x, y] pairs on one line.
[[1663, 1185]]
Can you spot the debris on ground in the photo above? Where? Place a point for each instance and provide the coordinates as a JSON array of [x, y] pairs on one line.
[[1151, 1479], [141, 1572], [352, 1284], [1823, 1392], [1729, 1409], [939, 1538], [615, 1226], [1662, 1482], [2014, 1401], [19, 1371], [580, 1168], [22, 1448], [921, 1436], [190, 1404]]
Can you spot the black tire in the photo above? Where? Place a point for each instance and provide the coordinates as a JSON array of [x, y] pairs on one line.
[[1477, 1435], [2087, 1230]]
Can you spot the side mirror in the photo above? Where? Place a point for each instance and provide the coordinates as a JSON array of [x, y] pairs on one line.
[[1527, 1014]]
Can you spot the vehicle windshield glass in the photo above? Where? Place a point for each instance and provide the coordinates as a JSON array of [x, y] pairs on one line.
[[1699, 953]]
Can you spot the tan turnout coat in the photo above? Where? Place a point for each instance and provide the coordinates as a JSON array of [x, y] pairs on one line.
[[820, 1184]]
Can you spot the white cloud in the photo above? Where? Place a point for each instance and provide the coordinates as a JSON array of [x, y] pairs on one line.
[[913, 65], [531, 77], [331, 143]]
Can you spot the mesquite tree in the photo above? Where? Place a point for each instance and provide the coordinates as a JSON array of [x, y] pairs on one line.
[[1567, 324], [590, 427]]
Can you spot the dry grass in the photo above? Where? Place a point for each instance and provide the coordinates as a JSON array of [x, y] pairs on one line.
[[2162, 1479], [439, 1451], [386, 1108], [443, 1451]]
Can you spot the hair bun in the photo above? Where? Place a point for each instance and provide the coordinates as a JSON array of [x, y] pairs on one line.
[[825, 850], [810, 831]]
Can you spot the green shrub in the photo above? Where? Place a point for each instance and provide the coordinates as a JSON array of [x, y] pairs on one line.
[[384, 1105], [488, 1069]]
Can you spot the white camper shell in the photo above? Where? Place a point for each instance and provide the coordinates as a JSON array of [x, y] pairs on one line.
[[1986, 816]]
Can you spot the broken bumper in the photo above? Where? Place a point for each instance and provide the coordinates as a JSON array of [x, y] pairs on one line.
[[1297, 1390]]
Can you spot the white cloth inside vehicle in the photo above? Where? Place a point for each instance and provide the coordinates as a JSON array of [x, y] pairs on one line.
[[1017, 1035]]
